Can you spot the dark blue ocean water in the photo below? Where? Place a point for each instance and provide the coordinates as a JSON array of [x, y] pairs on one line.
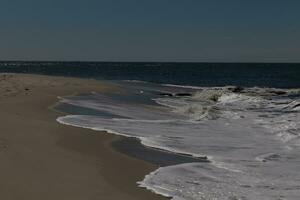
[[198, 74]]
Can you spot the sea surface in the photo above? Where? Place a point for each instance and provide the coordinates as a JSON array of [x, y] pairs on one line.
[[243, 119]]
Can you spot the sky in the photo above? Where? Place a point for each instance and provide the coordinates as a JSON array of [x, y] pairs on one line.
[[150, 30]]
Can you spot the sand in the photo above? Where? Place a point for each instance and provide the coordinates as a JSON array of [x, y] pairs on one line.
[[41, 159]]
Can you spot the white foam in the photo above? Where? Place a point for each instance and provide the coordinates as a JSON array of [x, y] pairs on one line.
[[209, 182], [244, 129]]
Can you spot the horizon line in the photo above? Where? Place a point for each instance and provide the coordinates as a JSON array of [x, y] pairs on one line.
[[136, 61]]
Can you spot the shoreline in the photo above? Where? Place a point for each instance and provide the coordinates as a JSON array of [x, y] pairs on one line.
[[48, 160]]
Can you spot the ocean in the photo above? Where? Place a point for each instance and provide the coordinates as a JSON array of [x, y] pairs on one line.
[[243, 119], [198, 74]]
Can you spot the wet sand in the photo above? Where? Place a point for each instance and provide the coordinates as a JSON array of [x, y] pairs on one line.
[[42, 159]]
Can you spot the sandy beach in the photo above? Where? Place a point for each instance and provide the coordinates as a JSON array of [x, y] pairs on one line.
[[42, 159]]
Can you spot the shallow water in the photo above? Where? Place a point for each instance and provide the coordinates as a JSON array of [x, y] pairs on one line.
[[133, 148], [250, 136]]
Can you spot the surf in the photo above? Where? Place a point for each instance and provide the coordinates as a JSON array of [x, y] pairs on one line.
[[250, 136]]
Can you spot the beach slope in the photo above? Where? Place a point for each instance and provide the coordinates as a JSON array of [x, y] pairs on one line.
[[42, 159]]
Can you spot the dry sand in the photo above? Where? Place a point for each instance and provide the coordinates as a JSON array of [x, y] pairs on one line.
[[41, 159]]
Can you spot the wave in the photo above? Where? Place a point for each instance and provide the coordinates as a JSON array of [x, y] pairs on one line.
[[92, 122], [209, 182], [135, 81], [294, 105], [234, 128], [183, 86]]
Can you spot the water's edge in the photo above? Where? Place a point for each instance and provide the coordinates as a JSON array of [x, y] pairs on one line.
[[233, 161], [134, 148]]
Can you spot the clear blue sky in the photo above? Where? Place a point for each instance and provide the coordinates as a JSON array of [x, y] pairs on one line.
[[151, 30]]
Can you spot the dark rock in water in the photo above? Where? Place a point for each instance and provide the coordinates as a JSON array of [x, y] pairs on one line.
[[236, 89], [166, 94], [183, 94]]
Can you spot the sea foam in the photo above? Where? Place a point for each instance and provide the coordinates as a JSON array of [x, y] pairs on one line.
[[249, 136]]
